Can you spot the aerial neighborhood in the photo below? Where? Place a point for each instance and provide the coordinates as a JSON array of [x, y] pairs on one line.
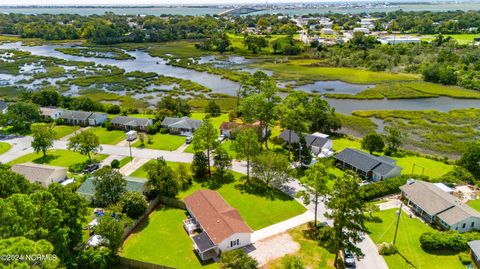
[[275, 136]]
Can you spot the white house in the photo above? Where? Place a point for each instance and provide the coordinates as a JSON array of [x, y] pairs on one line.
[[182, 126], [439, 207], [318, 142], [218, 226], [362, 30], [41, 173], [392, 40], [3, 107], [51, 112]]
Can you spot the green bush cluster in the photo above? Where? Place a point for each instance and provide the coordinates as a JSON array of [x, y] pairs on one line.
[[448, 240], [386, 249], [386, 187]]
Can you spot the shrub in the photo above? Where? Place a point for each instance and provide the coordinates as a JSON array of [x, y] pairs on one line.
[[464, 258], [115, 164], [449, 240], [386, 187], [163, 130], [387, 249]]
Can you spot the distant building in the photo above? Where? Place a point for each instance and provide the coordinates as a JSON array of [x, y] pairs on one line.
[[41, 173], [318, 142], [392, 40], [366, 165], [220, 227], [361, 30], [228, 128], [368, 23], [131, 123], [3, 107], [181, 126], [439, 207], [327, 31], [475, 252], [83, 118]]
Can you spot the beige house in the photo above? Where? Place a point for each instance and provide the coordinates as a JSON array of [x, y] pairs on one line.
[[41, 173], [437, 206]]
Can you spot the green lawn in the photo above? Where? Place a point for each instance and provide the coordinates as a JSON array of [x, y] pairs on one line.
[[309, 70], [475, 204], [163, 142], [267, 211], [124, 161], [163, 240], [216, 121], [311, 254], [108, 137], [462, 39], [64, 130], [408, 243], [4, 147], [58, 157], [342, 143]]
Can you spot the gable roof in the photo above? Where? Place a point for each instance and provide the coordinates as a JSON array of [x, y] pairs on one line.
[[98, 115], [131, 121], [181, 123], [434, 201], [75, 115], [45, 174], [311, 139], [48, 111], [366, 162], [87, 189], [217, 218], [475, 247]]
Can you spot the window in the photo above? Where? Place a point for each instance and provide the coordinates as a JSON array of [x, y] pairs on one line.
[[235, 243], [473, 223], [463, 226]]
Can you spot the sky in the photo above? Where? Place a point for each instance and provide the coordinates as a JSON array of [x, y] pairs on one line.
[[149, 2]]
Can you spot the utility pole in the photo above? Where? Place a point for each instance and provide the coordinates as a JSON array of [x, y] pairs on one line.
[[399, 212]]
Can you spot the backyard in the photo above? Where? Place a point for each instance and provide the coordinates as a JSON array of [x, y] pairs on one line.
[[269, 209], [57, 157], [162, 240], [408, 243], [108, 137]]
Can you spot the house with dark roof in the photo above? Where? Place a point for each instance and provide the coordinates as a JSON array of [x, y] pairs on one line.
[[83, 118], [439, 207], [317, 142], [41, 173], [181, 126], [87, 189], [131, 123], [214, 225], [367, 165]]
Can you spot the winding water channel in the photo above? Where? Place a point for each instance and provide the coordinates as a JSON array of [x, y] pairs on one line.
[[144, 62]]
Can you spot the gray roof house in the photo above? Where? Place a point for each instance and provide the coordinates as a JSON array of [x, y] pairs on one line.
[[76, 117], [41, 173], [181, 126], [440, 207], [475, 251], [3, 107], [87, 189], [131, 123], [366, 165], [316, 141]]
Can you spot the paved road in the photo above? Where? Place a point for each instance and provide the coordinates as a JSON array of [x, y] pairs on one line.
[[372, 260]]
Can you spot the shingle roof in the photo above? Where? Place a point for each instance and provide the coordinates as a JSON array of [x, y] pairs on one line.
[[181, 123], [3, 105], [475, 247], [75, 115], [435, 201], [217, 218], [96, 115], [130, 121], [366, 162], [40, 172], [48, 111], [311, 140], [87, 189]]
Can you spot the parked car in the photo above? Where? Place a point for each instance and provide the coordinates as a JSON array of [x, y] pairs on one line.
[[91, 168], [221, 138], [349, 260], [189, 140]]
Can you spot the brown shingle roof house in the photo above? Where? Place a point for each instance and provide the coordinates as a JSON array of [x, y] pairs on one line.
[[222, 226], [41, 173]]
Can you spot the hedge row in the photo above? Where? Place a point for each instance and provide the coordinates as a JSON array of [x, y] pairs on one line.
[[449, 240], [386, 187]]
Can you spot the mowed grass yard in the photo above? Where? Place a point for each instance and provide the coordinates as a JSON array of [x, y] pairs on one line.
[[4, 147], [308, 71], [108, 137], [162, 240], [258, 211], [216, 122], [64, 130], [162, 142], [475, 204], [58, 157], [408, 243]]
